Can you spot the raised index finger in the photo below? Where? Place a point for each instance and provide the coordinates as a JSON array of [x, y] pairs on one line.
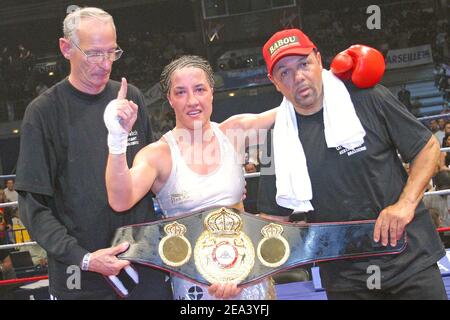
[[123, 89]]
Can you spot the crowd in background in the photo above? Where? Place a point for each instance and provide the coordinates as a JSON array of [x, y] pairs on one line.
[[16, 70], [334, 30], [146, 52], [145, 55], [12, 231]]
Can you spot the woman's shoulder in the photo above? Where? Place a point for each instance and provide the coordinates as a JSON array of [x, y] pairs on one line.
[[156, 150]]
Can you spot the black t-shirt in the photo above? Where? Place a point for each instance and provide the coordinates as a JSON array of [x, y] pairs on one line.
[[350, 185], [61, 180], [267, 189]]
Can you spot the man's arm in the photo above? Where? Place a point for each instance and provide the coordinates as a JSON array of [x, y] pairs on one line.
[[248, 124], [53, 237], [394, 218], [47, 230]]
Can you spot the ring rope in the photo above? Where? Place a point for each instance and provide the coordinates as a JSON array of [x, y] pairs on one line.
[[8, 176], [17, 245], [436, 116], [8, 204], [22, 280]]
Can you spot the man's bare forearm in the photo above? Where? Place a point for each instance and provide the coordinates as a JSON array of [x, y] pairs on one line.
[[422, 169]]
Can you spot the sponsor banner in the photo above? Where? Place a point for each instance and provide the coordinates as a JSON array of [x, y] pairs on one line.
[[45, 67], [409, 57]]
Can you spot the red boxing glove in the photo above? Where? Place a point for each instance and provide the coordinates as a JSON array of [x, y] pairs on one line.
[[362, 64]]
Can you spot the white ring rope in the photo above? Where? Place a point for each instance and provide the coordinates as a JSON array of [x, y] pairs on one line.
[[8, 204], [436, 116], [8, 176], [16, 245]]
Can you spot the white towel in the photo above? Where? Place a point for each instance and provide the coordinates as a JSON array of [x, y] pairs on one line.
[[342, 128], [342, 125]]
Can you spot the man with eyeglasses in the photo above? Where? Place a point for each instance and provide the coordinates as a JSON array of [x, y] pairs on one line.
[[61, 167]]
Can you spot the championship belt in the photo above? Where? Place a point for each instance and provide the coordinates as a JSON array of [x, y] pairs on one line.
[[223, 245]]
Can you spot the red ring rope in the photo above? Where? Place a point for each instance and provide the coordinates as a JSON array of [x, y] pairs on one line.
[[22, 280]]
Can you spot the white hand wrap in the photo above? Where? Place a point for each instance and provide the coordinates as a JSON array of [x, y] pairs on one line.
[[117, 135]]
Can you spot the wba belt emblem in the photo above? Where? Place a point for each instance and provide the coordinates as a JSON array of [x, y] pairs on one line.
[[223, 252]]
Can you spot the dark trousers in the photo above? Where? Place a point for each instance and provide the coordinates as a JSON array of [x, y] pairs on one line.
[[425, 285]]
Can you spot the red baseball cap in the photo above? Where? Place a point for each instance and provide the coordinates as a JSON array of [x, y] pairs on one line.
[[284, 43]]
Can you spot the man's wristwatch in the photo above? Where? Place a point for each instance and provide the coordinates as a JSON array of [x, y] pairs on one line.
[[85, 262]]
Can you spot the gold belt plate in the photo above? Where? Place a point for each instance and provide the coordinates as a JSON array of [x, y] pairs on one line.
[[223, 253]]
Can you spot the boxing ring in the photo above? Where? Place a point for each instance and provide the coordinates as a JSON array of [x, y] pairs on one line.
[[305, 290], [313, 290]]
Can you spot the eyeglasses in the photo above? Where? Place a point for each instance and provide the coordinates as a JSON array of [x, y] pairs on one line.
[[99, 56]]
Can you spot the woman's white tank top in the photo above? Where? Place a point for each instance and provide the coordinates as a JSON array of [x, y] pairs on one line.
[[187, 191]]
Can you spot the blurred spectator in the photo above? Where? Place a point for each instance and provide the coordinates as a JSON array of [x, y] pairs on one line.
[[437, 74], [3, 229], [444, 164], [442, 122], [433, 126], [10, 110], [38, 255], [10, 194], [404, 95], [5, 221], [442, 182], [435, 216], [442, 42], [40, 88], [2, 197], [167, 121], [444, 142], [443, 80], [250, 167], [436, 129], [444, 86], [251, 158], [6, 267], [5, 261], [438, 205], [415, 107]]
